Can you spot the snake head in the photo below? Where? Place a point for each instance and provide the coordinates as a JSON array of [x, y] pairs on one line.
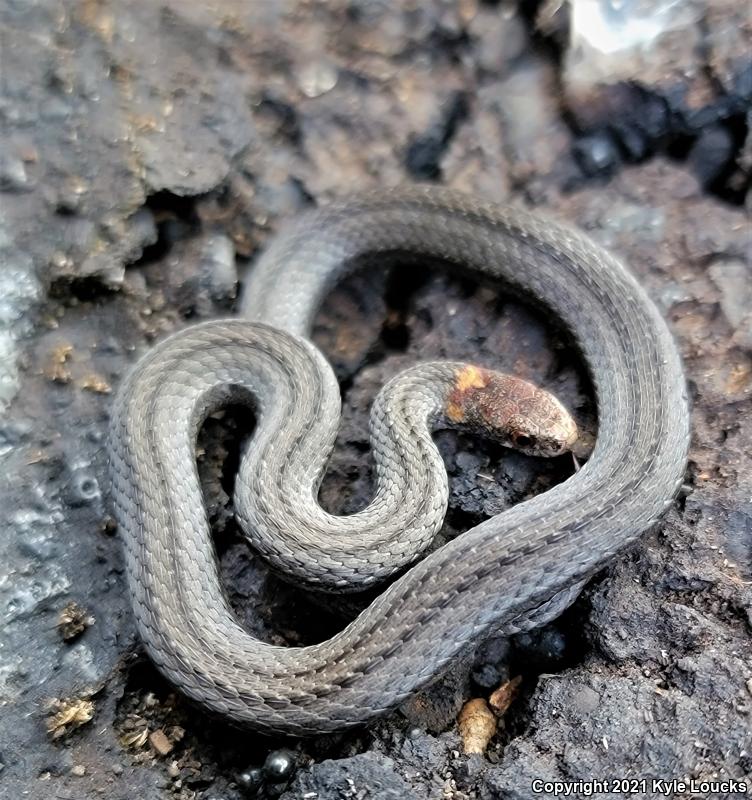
[[511, 411]]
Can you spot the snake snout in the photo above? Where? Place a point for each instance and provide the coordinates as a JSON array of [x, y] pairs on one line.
[[543, 427], [554, 438]]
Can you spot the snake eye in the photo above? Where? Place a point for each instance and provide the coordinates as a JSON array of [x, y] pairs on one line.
[[521, 440]]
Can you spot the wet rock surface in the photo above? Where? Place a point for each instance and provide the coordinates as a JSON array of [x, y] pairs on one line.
[[149, 152]]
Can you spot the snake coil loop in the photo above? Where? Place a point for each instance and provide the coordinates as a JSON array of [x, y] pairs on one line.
[[490, 578]]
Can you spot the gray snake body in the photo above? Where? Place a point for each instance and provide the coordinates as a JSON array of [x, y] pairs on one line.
[[485, 580]]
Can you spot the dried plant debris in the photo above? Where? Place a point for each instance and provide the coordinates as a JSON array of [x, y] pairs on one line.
[[159, 741], [68, 715], [73, 621], [57, 369], [477, 726], [504, 696], [95, 383], [136, 732]]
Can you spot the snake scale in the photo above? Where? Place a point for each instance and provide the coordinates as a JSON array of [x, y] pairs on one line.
[[486, 580]]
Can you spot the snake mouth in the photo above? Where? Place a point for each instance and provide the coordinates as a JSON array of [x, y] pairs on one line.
[[546, 446]]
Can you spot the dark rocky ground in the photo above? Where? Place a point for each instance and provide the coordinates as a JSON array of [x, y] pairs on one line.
[[148, 152]]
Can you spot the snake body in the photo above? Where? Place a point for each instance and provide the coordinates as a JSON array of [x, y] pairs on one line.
[[484, 581]]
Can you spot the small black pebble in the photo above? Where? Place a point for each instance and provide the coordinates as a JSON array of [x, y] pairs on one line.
[[542, 649], [596, 154], [490, 668], [251, 780], [633, 142], [488, 676], [279, 766], [711, 154]]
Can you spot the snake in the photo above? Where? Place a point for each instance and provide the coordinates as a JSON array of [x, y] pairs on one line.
[[487, 580]]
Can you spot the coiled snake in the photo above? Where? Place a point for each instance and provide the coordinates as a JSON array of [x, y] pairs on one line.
[[484, 581]]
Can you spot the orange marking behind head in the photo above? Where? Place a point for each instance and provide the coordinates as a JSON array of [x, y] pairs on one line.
[[467, 378], [454, 411], [471, 377]]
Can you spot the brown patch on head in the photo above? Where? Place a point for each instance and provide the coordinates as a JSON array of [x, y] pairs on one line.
[[510, 410]]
